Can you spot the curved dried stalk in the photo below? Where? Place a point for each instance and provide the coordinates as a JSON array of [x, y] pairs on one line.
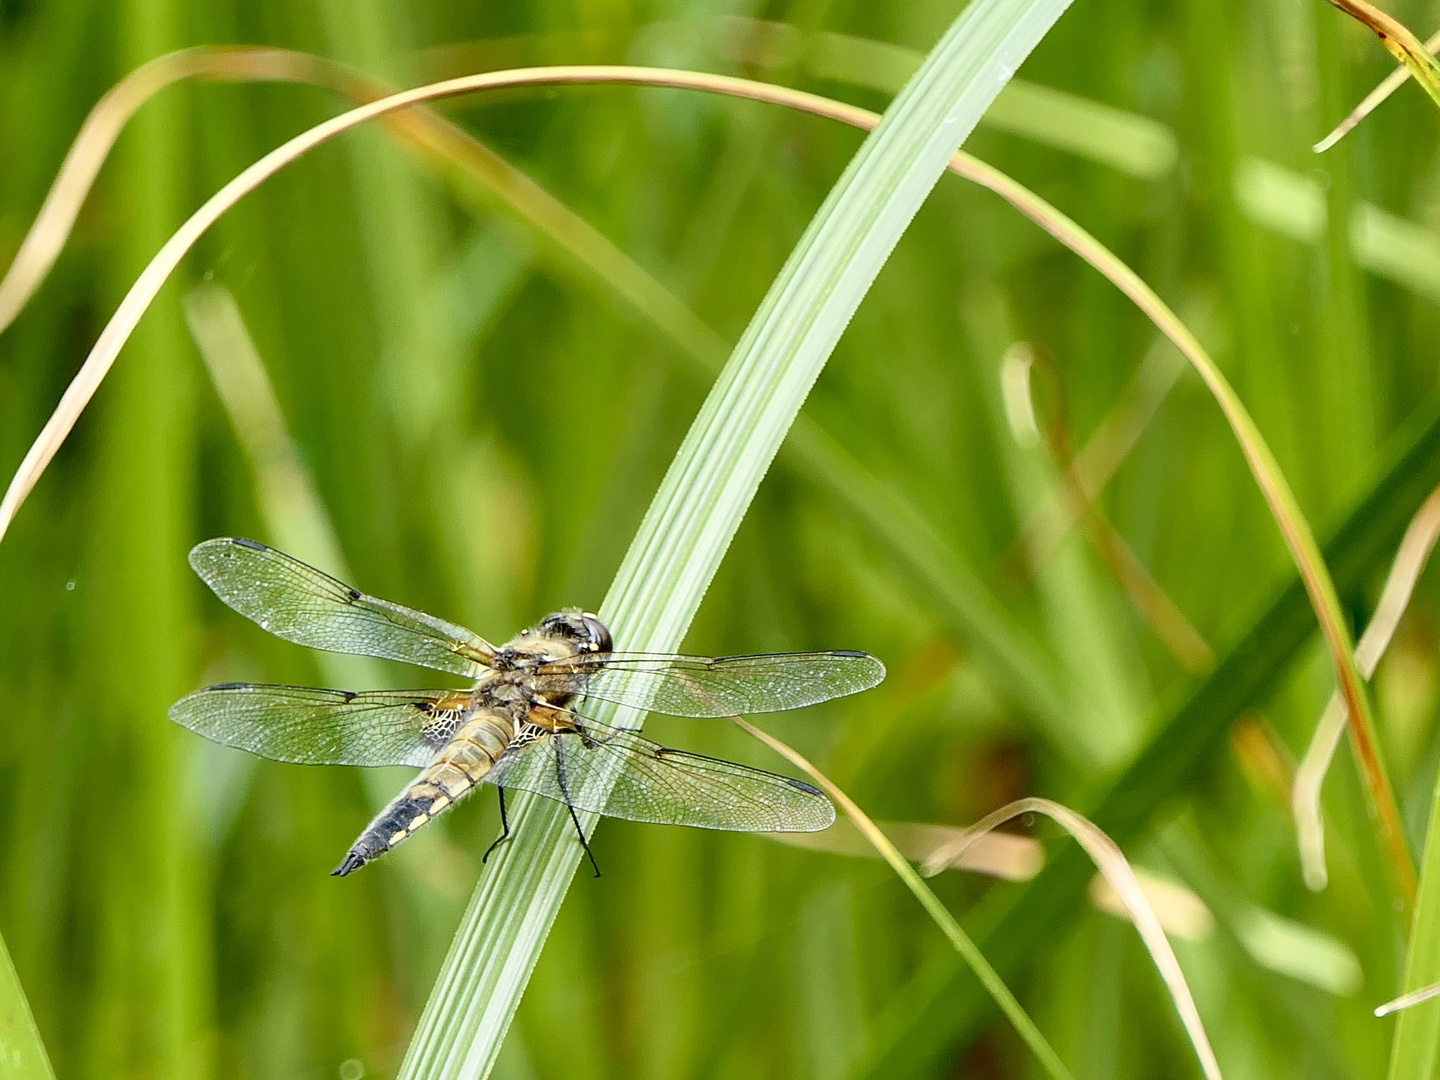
[[1095, 463], [1111, 863], [928, 900], [1153, 604], [443, 141], [1410, 558], [97, 135], [1278, 496], [1398, 41], [1266, 470], [472, 170], [1373, 100], [117, 331], [1007, 857]]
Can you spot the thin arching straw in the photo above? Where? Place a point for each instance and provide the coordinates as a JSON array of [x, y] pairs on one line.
[[1410, 559], [1373, 100], [1266, 471], [118, 330], [1116, 870]]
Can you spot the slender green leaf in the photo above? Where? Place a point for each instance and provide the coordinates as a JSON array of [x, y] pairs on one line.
[[22, 1054], [1416, 1045], [709, 486]]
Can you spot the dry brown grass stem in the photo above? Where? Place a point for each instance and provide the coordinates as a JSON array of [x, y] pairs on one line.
[[1121, 877], [443, 143], [1373, 100], [1010, 858], [1147, 597], [97, 135], [928, 900], [1105, 451], [1410, 558], [69, 190], [1266, 471], [1398, 41]]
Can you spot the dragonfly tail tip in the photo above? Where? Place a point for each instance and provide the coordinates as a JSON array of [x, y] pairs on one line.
[[353, 861]]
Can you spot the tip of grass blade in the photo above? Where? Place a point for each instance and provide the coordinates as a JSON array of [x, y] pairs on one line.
[[1405, 1001]]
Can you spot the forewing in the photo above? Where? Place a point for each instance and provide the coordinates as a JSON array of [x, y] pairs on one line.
[[300, 604], [659, 785], [324, 727], [718, 686]]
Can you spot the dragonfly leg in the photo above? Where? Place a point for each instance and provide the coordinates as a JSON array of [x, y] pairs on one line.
[[504, 828], [574, 818]]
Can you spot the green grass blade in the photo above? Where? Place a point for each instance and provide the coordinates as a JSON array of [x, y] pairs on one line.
[[1129, 142], [1417, 1031], [22, 1054], [1386, 244], [947, 1009], [709, 486]]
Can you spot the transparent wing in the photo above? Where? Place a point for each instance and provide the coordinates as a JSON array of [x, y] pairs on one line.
[[716, 686], [660, 785], [324, 727], [303, 605]]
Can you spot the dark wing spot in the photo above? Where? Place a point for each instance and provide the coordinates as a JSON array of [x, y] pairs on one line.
[[229, 686], [354, 595], [853, 653], [349, 695], [254, 545], [804, 786], [426, 707]]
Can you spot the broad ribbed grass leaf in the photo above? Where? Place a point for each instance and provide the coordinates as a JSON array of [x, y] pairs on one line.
[[714, 476]]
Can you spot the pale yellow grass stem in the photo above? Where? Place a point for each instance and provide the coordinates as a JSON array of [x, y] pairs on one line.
[[1410, 559], [1116, 870], [1388, 86], [928, 900], [1271, 481]]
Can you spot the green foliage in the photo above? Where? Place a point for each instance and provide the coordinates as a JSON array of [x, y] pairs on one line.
[[486, 410], [21, 1052], [1417, 1031]]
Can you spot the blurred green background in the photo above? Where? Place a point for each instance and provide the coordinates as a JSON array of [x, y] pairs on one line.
[[390, 373]]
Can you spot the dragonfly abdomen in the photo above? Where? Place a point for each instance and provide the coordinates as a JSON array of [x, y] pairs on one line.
[[461, 764]]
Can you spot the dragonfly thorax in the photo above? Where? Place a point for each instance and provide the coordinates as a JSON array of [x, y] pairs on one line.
[[515, 680]]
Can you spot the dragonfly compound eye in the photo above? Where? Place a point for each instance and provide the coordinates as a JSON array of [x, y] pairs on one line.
[[599, 633], [588, 632]]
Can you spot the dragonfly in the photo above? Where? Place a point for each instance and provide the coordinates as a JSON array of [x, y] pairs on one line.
[[520, 724]]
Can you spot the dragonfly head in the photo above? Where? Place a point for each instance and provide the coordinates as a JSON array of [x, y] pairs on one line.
[[584, 629]]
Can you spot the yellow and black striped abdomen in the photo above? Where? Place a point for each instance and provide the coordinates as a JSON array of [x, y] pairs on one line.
[[461, 764]]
